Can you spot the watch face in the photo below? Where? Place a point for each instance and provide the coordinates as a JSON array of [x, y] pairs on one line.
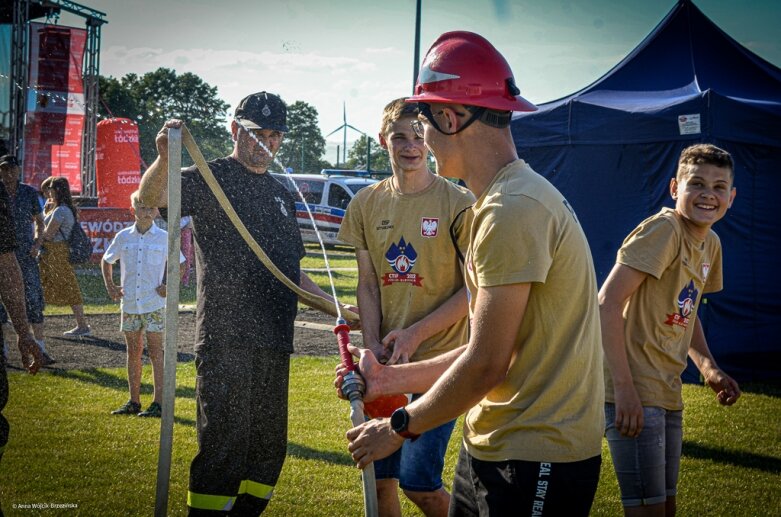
[[399, 419]]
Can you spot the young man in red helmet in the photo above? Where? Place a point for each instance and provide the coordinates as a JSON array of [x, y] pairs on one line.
[[530, 377]]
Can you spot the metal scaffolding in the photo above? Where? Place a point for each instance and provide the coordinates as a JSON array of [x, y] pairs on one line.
[[90, 70]]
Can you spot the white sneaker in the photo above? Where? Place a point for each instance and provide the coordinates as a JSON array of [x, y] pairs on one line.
[[78, 331]]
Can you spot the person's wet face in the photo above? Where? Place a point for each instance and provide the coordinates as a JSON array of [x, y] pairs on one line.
[[249, 150]]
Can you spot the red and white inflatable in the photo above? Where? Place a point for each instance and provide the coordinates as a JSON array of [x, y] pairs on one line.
[[117, 162]]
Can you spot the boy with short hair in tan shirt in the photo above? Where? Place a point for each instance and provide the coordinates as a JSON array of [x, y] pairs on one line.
[[410, 290], [648, 309]]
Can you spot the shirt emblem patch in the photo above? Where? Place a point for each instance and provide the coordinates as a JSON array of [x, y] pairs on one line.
[[281, 205], [429, 226], [705, 270], [687, 299], [401, 257]]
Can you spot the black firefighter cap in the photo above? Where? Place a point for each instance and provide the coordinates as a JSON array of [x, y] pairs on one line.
[[262, 110]]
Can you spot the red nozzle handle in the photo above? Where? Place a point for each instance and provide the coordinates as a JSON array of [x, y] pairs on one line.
[[342, 332]]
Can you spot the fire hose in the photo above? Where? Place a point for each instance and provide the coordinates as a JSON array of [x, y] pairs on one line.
[[353, 388]]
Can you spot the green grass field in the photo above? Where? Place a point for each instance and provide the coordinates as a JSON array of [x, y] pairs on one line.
[[66, 448]]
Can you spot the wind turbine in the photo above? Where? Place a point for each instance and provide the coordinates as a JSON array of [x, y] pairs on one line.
[[344, 127]]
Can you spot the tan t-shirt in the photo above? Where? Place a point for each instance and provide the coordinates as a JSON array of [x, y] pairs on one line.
[[550, 407], [659, 317], [408, 239]]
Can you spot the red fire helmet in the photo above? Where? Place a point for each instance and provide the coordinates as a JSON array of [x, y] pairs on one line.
[[464, 68]]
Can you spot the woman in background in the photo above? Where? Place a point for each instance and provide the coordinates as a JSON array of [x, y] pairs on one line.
[[60, 286]]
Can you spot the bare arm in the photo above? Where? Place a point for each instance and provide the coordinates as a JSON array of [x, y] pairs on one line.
[[619, 286], [50, 230], [726, 388], [308, 285], [368, 295], [114, 291], [39, 229], [498, 315], [12, 294], [153, 190], [383, 380], [404, 342], [483, 365]]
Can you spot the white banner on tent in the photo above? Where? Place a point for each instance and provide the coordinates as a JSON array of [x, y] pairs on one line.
[[689, 124]]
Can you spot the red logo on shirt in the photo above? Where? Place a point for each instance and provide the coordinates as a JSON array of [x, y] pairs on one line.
[[429, 226]]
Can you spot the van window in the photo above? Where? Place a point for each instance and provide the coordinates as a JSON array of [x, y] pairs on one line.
[[338, 196], [287, 182], [355, 187], [311, 190]]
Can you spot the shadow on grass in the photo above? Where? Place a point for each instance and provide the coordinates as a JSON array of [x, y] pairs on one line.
[[304, 452], [117, 382], [92, 341], [731, 457], [181, 357]]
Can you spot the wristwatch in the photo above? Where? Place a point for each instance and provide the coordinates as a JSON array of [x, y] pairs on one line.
[[399, 421]]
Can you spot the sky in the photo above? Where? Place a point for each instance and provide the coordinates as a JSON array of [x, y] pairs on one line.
[[356, 55]]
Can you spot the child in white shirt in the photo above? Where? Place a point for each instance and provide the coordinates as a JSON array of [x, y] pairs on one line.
[[141, 250]]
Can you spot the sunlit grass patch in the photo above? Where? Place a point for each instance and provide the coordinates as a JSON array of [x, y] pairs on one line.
[[66, 447]]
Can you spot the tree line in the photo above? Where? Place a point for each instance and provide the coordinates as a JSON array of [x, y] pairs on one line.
[[152, 98]]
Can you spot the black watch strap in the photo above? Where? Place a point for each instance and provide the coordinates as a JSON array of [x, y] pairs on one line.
[[400, 423]]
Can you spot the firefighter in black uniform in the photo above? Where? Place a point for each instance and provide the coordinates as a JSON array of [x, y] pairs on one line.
[[244, 315]]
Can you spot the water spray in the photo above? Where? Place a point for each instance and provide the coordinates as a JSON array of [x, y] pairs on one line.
[[353, 386]]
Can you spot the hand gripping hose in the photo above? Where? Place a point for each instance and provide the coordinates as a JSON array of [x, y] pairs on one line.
[[353, 388]]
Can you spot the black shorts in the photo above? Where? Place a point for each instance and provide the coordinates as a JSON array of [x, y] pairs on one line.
[[522, 488]]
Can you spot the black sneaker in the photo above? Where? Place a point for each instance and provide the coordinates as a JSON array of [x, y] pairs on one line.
[[129, 408], [154, 410], [47, 360]]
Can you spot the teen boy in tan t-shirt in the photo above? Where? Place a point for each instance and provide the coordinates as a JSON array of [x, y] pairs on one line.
[[648, 308], [410, 289]]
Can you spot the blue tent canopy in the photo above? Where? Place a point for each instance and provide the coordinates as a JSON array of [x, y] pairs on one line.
[[612, 148]]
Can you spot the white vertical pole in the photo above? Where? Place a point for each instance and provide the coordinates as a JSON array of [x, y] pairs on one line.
[[171, 319]]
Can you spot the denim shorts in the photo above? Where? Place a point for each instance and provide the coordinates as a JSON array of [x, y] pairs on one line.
[[418, 465], [647, 466]]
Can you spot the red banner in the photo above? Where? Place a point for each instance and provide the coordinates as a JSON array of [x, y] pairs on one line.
[[101, 225], [117, 162], [55, 105]]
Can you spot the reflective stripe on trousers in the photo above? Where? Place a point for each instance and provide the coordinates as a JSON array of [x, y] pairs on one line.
[[225, 502]]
